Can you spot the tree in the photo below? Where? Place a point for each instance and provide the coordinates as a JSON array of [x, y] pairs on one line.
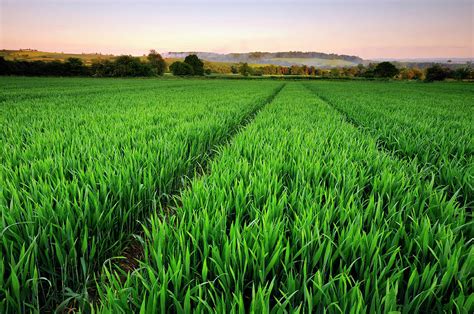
[[410, 74], [195, 63], [297, 70], [285, 70], [4, 66], [406, 74], [351, 71], [74, 67], [157, 62], [234, 69], [462, 73], [131, 66], [102, 68], [386, 69], [418, 74], [436, 73], [216, 67], [367, 71], [55, 68], [245, 69], [335, 72], [181, 68], [258, 72]]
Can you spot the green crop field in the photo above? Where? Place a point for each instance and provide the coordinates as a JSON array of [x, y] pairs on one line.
[[235, 196]]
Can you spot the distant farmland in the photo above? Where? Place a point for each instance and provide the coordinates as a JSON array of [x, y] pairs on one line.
[[33, 55], [316, 62]]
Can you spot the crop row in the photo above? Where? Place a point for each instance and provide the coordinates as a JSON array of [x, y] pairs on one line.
[[431, 123], [16, 90], [302, 212], [78, 174]]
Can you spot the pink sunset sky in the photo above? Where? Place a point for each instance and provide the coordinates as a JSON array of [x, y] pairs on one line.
[[367, 28]]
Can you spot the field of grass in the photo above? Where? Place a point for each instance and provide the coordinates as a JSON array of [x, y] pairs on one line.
[[430, 123], [146, 195]]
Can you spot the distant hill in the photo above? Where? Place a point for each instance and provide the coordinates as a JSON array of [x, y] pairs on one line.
[[317, 59], [429, 60], [217, 60], [35, 55]]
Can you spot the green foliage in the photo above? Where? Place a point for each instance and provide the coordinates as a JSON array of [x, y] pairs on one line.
[[336, 197], [75, 67], [302, 212], [335, 73], [130, 66], [297, 70], [245, 69], [157, 62], [71, 67], [462, 73], [196, 64], [4, 66], [427, 123], [102, 68], [386, 69], [84, 161], [181, 69], [411, 74], [123, 66], [436, 73]]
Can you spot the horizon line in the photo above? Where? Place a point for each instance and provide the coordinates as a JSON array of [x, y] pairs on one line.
[[238, 52]]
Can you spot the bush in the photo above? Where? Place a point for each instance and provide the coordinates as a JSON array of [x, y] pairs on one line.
[[245, 69], [74, 67], [462, 73], [4, 66], [181, 69], [436, 73], [234, 69], [130, 66], [54, 68], [258, 72], [102, 68]]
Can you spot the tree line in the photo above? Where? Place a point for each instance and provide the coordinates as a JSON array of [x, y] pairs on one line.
[[155, 65], [434, 72], [122, 66]]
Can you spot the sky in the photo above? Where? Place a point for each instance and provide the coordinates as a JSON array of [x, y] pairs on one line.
[[366, 28]]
